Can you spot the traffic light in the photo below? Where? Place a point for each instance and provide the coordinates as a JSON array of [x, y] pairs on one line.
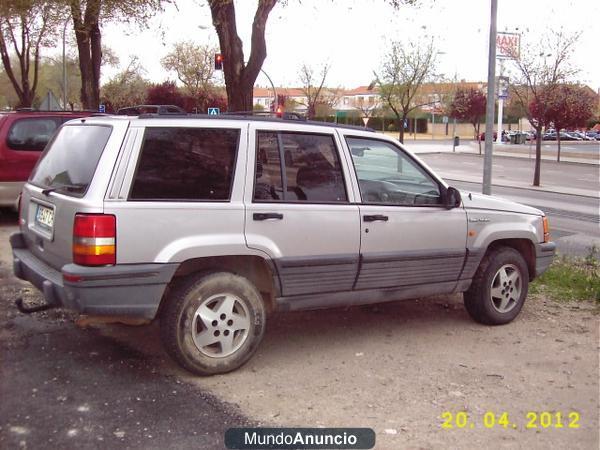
[[218, 61], [280, 108]]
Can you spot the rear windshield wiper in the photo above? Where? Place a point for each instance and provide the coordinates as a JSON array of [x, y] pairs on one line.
[[66, 187]]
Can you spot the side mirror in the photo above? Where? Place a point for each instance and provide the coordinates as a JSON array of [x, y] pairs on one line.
[[453, 198]]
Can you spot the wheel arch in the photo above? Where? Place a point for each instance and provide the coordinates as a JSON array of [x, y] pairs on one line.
[[524, 246], [259, 271]]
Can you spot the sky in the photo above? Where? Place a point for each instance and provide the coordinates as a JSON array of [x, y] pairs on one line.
[[353, 36]]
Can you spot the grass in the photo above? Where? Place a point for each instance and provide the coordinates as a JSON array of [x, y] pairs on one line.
[[571, 279]]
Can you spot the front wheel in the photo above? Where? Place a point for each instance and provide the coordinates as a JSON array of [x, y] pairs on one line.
[[213, 323], [499, 288]]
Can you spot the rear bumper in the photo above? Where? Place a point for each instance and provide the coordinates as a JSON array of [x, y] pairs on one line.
[[133, 290], [544, 254]]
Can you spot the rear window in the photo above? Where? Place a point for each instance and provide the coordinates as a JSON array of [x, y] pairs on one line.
[[70, 161], [32, 134], [186, 164]]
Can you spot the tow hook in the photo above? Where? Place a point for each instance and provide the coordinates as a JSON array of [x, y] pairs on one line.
[[32, 309]]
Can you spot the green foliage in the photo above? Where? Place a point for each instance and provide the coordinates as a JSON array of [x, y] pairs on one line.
[[193, 64], [571, 279], [127, 88]]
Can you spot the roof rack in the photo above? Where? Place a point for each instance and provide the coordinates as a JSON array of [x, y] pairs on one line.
[[33, 110], [161, 110], [284, 115]]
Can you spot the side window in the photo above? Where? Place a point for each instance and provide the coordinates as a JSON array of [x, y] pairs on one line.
[[268, 184], [311, 168], [186, 164], [32, 134], [386, 175]]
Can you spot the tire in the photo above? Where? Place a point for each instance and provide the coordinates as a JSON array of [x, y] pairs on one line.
[[499, 288], [213, 323]]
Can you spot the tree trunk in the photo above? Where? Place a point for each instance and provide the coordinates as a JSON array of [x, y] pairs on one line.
[[311, 111], [24, 92], [538, 157], [400, 123], [477, 135], [239, 76], [88, 37]]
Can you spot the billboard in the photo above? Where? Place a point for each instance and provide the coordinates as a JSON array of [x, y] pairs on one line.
[[508, 45]]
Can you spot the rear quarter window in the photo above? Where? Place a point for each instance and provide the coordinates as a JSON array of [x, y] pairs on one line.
[[69, 162], [32, 134], [186, 164]]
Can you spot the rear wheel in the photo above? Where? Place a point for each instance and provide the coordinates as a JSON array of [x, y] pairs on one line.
[[499, 288], [213, 323]]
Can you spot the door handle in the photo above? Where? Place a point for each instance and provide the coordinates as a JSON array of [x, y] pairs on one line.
[[266, 216], [376, 217]]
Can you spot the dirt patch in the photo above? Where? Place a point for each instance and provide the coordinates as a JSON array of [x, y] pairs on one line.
[[398, 367]]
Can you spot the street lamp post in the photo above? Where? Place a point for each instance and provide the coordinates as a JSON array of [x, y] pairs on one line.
[[272, 85], [489, 116]]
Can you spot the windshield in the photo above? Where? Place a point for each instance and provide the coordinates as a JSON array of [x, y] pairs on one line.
[[70, 160]]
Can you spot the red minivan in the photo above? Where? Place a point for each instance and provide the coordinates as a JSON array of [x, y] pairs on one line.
[[23, 136]]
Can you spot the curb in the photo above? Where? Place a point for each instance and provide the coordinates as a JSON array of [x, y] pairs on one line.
[[512, 156], [551, 190]]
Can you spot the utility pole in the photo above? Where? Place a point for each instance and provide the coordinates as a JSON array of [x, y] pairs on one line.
[[489, 116]]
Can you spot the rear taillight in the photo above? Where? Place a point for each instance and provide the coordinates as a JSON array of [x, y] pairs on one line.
[[94, 239]]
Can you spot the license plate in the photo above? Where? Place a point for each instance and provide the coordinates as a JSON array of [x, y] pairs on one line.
[[44, 217]]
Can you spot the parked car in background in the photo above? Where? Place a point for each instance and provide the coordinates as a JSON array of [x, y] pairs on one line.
[[584, 136], [23, 136], [569, 136], [504, 137]]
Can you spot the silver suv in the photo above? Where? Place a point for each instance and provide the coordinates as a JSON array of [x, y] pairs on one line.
[[209, 224]]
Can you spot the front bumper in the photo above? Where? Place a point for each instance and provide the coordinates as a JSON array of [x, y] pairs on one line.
[[544, 254], [133, 290]]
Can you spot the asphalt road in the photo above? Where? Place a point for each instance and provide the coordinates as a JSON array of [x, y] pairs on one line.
[[574, 219], [517, 172], [590, 149]]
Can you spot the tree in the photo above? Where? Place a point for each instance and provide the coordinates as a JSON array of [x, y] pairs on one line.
[[127, 88], [569, 106], [317, 96], [541, 69], [25, 27], [239, 74], [51, 79], [87, 17], [193, 65], [405, 69], [469, 105], [166, 93]]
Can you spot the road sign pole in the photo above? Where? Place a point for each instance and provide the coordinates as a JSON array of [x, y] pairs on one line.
[[489, 116], [500, 113]]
